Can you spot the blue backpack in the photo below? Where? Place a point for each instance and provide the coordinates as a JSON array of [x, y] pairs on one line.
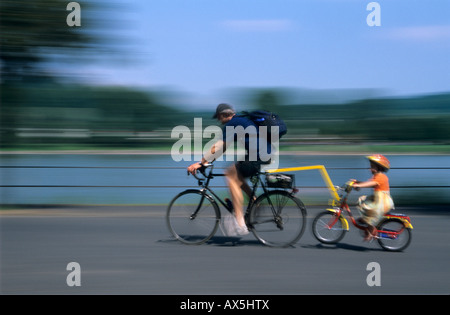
[[266, 118]]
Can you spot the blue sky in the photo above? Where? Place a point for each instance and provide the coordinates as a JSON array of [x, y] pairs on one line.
[[207, 46]]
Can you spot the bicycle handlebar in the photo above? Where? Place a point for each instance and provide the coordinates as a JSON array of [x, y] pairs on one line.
[[348, 186], [201, 170]]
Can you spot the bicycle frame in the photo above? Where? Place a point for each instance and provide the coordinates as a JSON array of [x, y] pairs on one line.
[[205, 187], [344, 207]]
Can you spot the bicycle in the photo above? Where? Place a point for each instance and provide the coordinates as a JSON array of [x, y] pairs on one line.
[[276, 218], [393, 231]]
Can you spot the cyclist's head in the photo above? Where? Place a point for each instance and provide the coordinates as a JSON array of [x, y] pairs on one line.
[[224, 110], [379, 162]]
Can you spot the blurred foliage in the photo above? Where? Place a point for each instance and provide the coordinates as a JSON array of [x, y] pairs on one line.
[[32, 31], [423, 119], [55, 114], [46, 114], [401, 119], [38, 110]]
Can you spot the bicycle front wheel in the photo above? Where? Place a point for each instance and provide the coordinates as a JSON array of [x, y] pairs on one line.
[[327, 228], [277, 219], [193, 217]]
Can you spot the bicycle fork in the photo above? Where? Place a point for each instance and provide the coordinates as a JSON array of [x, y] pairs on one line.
[[338, 216], [194, 215]]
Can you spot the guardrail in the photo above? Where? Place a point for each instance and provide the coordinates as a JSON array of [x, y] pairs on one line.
[[78, 184], [183, 168]]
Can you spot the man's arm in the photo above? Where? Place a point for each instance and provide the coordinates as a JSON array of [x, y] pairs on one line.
[[217, 149]]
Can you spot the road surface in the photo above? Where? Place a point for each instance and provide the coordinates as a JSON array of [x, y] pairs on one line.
[[128, 250]]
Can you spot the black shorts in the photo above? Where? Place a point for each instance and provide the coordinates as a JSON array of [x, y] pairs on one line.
[[249, 168]]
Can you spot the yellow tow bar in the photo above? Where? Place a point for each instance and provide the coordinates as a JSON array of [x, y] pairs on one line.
[[322, 170]]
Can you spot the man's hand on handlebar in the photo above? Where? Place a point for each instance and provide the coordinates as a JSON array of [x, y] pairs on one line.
[[192, 169]]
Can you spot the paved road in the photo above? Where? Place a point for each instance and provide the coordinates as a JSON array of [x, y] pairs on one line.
[[128, 250]]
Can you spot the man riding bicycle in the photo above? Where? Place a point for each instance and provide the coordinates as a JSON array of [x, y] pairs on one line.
[[237, 173]]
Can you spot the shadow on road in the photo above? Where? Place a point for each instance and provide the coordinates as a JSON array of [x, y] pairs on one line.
[[220, 241], [356, 248]]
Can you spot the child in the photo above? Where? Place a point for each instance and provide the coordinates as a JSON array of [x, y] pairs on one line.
[[375, 206]]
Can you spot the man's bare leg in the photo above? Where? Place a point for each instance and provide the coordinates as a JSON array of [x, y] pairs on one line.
[[236, 184]]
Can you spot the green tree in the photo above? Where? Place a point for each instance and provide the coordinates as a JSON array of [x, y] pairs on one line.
[[32, 31], [267, 99]]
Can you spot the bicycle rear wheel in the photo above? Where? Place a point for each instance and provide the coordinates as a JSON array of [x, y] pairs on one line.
[[277, 219], [193, 217], [393, 235]]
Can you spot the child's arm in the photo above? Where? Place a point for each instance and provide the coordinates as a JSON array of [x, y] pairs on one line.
[[366, 184]]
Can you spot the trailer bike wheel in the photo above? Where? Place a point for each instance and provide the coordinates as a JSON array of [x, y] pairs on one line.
[[322, 230]]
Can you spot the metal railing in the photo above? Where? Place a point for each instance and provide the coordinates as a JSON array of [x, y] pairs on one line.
[[3, 185]]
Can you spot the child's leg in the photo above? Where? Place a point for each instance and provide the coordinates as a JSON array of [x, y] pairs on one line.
[[370, 233], [369, 216]]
